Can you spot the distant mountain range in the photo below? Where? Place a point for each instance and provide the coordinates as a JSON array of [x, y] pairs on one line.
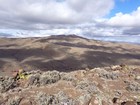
[[64, 53], [123, 38]]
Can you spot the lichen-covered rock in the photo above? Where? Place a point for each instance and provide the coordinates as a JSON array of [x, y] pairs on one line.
[[64, 99], [14, 101], [57, 99], [99, 86], [44, 78], [33, 72], [84, 99], [7, 83], [117, 67], [99, 70], [33, 80], [109, 75], [67, 77], [49, 77], [45, 99], [87, 87], [133, 87]]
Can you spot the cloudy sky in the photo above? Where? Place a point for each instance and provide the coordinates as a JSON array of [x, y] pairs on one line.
[[25, 18]]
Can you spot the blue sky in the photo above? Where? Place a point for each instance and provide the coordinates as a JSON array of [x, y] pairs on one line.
[[88, 18], [124, 6]]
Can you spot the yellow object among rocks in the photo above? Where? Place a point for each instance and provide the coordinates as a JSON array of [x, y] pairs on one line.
[[22, 74]]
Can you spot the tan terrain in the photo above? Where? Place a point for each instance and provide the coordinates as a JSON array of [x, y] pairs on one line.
[[64, 53], [69, 70]]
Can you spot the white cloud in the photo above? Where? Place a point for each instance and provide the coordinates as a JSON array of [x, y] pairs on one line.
[[126, 20], [49, 17], [39, 14]]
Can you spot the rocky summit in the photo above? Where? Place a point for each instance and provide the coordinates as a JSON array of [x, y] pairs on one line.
[[114, 85]]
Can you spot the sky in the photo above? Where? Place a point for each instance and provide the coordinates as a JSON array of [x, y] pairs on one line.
[[88, 18]]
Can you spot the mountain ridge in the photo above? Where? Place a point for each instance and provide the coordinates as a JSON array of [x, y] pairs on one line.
[[64, 53]]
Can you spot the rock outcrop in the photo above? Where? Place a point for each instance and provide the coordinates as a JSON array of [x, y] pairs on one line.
[[97, 86]]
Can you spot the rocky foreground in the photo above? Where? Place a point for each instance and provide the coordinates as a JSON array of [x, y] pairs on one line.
[[115, 85]]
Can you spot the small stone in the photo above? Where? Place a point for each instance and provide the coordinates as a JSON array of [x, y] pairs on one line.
[[115, 68], [85, 99], [129, 103], [114, 100], [83, 73], [96, 102], [137, 78], [25, 102]]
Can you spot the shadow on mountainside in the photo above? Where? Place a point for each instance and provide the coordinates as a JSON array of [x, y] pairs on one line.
[[58, 57], [93, 47], [67, 64], [21, 54], [90, 59], [101, 58], [28, 56]]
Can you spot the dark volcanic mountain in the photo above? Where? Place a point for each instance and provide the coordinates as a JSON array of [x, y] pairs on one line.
[[64, 53]]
